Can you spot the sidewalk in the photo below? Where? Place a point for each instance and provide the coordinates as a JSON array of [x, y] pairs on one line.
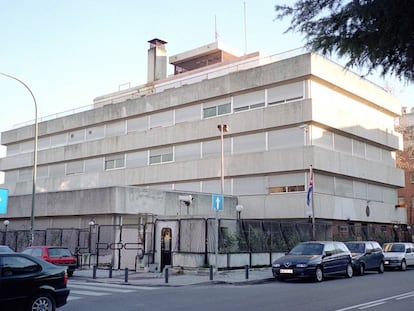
[[177, 277]]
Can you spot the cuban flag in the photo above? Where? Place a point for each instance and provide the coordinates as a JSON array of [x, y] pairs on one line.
[[310, 187]]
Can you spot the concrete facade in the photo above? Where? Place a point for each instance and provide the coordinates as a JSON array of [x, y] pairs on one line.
[[284, 115]]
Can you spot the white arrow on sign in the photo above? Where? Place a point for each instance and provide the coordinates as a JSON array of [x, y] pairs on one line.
[[217, 203]]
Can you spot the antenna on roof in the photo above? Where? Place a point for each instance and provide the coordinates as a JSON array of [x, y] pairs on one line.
[[245, 29], [215, 29]]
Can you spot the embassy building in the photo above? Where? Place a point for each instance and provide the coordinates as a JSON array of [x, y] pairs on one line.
[[256, 129]]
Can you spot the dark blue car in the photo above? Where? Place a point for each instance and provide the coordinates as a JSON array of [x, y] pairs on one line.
[[366, 255], [314, 260]]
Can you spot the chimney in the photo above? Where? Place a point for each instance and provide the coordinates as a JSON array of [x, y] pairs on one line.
[[157, 60]]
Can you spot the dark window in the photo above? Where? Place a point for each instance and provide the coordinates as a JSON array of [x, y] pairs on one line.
[[14, 265]]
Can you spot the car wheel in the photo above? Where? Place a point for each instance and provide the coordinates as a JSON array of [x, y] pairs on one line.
[[349, 271], [381, 268], [361, 269], [42, 302], [319, 274], [403, 265]]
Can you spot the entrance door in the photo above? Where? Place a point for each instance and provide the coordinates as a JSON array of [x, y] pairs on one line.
[[166, 242]]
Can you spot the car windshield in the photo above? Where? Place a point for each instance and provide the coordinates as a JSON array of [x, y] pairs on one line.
[[5, 249], [394, 248], [307, 249], [356, 247], [59, 252]]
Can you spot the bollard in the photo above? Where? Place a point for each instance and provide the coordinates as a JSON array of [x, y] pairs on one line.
[[166, 275], [110, 271], [126, 275], [94, 272], [247, 271], [211, 273]]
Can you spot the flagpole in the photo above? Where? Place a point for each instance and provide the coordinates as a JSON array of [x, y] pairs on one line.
[[312, 205]]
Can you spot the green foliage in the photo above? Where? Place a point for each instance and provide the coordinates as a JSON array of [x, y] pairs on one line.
[[377, 34]]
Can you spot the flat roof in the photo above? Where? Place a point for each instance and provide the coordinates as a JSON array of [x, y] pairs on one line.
[[204, 50]]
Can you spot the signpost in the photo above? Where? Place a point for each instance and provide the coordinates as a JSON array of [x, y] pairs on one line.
[[3, 200], [217, 202]]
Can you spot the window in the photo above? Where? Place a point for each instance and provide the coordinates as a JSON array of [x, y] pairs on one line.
[[161, 155], [137, 159], [74, 167], [76, 136], [286, 189], [412, 178], [216, 108], [137, 124], [96, 132], [213, 148], [249, 143], [249, 101], [188, 152], [188, 114], [15, 265], [113, 162], [115, 129], [161, 119], [285, 93], [411, 153]]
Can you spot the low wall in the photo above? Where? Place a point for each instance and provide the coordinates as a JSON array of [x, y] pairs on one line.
[[225, 261]]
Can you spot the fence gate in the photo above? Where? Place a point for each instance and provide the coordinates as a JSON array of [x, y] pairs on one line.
[[123, 246]]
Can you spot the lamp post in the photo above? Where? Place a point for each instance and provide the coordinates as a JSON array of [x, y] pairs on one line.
[[6, 224], [222, 128], [239, 209], [91, 224], [34, 157]]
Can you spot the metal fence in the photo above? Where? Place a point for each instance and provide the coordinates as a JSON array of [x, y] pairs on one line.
[[198, 236]]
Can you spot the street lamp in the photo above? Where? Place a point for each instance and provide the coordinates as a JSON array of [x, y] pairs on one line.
[[239, 209], [222, 128], [91, 224], [34, 157], [6, 224]]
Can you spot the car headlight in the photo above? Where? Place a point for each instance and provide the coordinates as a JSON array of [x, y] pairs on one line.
[[301, 265], [276, 265]]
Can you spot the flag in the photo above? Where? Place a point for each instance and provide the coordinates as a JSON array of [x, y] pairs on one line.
[[310, 187]]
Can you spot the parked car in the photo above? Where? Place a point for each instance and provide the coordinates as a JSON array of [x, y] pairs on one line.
[[316, 260], [31, 284], [366, 255], [398, 255], [58, 255], [5, 249]]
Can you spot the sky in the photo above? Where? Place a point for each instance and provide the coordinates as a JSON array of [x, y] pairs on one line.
[[70, 51]]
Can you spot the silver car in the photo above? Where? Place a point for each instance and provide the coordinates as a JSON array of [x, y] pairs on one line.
[[398, 255]]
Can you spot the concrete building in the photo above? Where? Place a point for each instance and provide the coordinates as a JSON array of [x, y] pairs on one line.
[[285, 114]]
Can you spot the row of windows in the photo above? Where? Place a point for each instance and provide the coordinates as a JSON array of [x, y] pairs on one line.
[[289, 183], [253, 100], [259, 142]]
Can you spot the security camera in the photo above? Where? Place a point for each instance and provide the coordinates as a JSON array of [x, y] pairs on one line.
[[187, 199]]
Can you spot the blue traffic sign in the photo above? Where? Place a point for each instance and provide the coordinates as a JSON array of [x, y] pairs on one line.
[[4, 193], [217, 202]]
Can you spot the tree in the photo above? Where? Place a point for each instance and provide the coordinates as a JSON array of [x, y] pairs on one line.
[[376, 34]]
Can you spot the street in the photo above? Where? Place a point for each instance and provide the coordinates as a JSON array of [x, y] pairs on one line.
[[373, 291]]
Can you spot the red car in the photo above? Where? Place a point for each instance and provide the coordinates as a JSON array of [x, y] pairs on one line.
[[57, 255]]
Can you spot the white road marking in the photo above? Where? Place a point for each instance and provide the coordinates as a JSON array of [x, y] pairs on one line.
[[377, 302]]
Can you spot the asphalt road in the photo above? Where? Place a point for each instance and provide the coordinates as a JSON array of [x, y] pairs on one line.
[[393, 290]]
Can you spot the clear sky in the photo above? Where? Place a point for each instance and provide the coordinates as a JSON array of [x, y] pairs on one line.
[[70, 51]]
